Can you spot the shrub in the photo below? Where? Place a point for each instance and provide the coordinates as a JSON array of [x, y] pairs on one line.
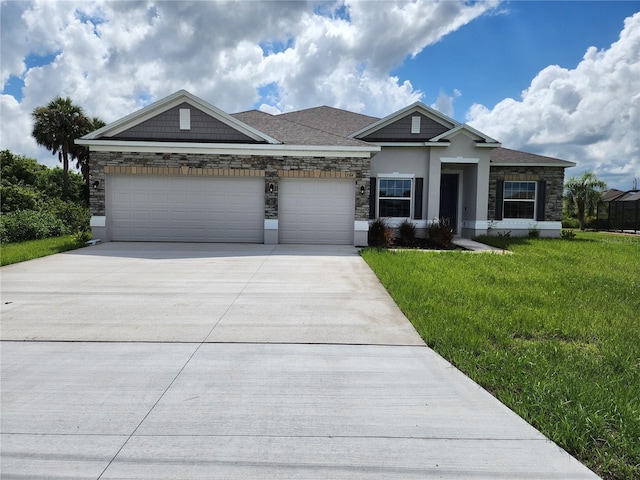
[[82, 237], [407, 233], [441, 233], [17, 197], [380, 235], [76, 217], [30, 225], [568, 222], [534, 232], [567, 234]]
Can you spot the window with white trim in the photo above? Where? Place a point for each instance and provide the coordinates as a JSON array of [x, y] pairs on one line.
[[519, 200], [394, 197]]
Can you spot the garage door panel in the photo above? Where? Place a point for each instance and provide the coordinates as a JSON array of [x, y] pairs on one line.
[[193, 209], [316, 211]]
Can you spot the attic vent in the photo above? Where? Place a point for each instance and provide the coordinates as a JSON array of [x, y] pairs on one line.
[[415, 124], [185, 119]]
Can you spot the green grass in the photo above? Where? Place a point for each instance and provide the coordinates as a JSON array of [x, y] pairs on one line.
[[22, 251], [553, 331]]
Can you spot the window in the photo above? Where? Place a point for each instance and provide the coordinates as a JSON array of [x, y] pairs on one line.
[[394, 198], [519, 200]]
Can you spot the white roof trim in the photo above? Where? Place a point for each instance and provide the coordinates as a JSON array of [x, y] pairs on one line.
[[532, 164], [459, 160], [415, 107], [411, 144], [228, 148], [461, 127], [170, 102]]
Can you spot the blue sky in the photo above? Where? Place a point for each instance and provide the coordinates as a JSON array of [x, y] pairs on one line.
[[496, 56], [522, 72]]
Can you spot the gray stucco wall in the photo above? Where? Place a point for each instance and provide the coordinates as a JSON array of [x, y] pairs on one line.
[[554, 177], [272, 168]]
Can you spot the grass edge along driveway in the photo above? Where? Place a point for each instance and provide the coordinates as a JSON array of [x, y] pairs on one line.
[[11, 253], [553, 331]]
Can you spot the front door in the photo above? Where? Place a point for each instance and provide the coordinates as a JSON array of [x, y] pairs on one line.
[[449, 199]]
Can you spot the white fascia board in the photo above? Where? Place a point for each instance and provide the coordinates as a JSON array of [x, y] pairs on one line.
[[459, 160], [399, 144], [415, 107], [488, 145], [397, 175], [412, 144], [462, 127], [533, 164], [182, 96], [229, 148]]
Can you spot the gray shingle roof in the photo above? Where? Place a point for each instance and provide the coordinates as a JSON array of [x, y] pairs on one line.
[[293, 133], [331, 120], [612, 194], [506, 155]]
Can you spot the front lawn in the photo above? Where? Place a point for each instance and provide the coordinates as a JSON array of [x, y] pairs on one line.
[[553, 331], [22, 251]]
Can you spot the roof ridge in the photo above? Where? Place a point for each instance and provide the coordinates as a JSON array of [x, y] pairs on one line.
[[320, 129]]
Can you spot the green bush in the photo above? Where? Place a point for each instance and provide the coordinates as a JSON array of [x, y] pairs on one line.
[[441, 233], [75, 216], [534, 232], [569, 222], [17, 197], [407, 233], [380, 235], [30, 225]]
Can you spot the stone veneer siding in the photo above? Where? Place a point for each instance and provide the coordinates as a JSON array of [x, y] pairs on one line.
[[554, 176], [271, 168]]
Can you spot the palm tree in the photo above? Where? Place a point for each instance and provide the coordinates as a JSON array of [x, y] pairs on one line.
[[584, 193], [55, 127], [81, 154]]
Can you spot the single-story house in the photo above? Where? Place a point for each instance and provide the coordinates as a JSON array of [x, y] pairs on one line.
[[182, 170]]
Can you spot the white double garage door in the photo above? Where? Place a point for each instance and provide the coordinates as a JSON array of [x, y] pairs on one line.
[[165, 208]]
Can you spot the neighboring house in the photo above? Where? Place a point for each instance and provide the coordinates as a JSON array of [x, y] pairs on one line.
[[620, 210], [183, 170]]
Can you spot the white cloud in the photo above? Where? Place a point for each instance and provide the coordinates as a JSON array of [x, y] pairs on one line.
[[589, 114], [115, 57]]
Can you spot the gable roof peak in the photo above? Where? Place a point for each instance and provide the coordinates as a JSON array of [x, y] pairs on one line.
[[171, 101], [418, 107]]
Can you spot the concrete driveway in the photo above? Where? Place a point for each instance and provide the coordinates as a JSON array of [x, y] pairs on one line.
[[237, 361]]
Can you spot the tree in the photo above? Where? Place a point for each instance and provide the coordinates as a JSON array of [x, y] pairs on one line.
[[584, 193], [55, 127], [81, 154]]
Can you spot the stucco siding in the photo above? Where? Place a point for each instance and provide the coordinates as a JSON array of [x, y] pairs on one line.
[[403, 160]]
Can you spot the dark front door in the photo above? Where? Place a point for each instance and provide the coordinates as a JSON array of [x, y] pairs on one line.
[[449, 199]]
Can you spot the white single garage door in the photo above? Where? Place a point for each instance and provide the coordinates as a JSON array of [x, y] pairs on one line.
[[319, 211], [165, 208]]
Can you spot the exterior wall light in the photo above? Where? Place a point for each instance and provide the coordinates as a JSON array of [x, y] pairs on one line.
[[96, 184], [271, 188], [362, 190]]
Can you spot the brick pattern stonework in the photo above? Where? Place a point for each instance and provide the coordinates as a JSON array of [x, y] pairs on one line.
[[554, 176], [271, 168]]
